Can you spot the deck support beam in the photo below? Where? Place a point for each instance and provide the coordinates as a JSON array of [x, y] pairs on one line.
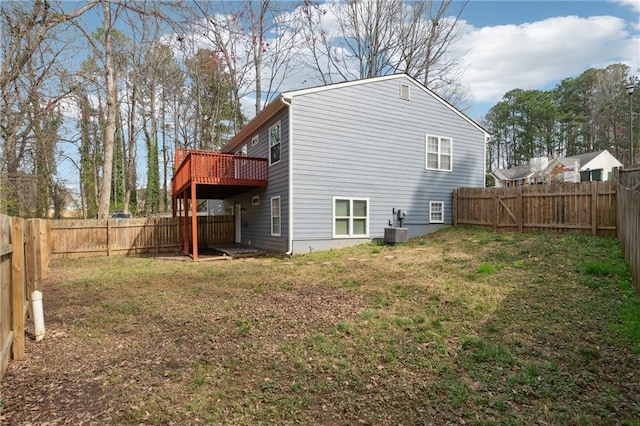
[[194, 221], [185, 247]]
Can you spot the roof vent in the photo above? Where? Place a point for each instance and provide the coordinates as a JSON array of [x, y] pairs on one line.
[[404, 91]]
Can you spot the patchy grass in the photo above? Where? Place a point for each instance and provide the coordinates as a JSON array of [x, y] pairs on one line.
[[462, 326]]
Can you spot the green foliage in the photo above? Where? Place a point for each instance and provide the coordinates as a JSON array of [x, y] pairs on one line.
[[212, 87], [582, 114], [152, 196]]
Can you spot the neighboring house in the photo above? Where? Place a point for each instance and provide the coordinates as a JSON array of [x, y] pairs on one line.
[[331, 166], [593, 166], [524, 174]]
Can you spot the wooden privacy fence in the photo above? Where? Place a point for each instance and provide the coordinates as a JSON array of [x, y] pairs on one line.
[[628, 219], [588, 207], [109, 237], [23, 264]]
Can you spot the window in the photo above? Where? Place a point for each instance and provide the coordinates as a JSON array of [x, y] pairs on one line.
[[275, 216], [274, 143], [242, 151], [255, 140], [255, 200], [350, 217], [438, 153], [404, 91], [436, 212]]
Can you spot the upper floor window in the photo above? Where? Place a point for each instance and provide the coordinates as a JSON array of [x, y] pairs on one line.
[[274, 143], [255, 140], [439, 153]]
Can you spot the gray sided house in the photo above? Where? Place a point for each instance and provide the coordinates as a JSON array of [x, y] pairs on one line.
[[342, 158]]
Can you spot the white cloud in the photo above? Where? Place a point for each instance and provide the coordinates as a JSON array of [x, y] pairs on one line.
[[533, 55], [633, 4]]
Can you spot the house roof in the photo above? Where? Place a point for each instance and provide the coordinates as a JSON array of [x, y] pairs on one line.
[[522, 171], [585, 158], [284, 98]]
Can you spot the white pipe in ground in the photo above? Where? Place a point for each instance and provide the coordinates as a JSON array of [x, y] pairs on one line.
[[38, 315]]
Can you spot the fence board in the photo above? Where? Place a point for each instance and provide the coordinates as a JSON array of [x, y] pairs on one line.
[[628, 217], [109, 237], [6, 336], [586, 207]]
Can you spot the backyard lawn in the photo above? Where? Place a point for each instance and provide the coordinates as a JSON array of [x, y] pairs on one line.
[[462, 327]]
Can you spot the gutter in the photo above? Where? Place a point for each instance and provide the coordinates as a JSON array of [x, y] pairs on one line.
[[290, 236]]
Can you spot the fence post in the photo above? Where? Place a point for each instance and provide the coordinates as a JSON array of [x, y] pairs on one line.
[[594, 208], [520, 208], [17, 290], [108, 237], [496, 207], [455, 206], [30, 262]]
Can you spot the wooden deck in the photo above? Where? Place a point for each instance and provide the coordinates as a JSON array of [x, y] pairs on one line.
[[217, 175], [210, 175]]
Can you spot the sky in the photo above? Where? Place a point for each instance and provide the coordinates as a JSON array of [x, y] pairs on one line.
[[528, 45], [509, 44], [536, 44]]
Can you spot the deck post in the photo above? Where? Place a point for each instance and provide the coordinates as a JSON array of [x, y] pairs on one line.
[[185, 248], [194, 220]]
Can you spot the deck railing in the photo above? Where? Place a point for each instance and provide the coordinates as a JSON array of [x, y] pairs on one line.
[[215, 168]]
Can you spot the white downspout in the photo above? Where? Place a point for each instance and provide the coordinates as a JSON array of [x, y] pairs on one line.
[[38, 314], [290, 238]]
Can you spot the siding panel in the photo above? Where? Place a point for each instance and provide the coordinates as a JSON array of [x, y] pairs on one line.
[[256, 220], [364, 141]]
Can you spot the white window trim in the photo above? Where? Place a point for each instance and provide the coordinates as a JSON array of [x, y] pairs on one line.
[[431, 212], [367, 218], [280, 143], [273, 234], [426, 153], [255, 200], [255, 140]]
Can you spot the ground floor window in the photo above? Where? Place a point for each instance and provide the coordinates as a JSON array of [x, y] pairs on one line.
[[350, 217], [275, 216], [436, 212]]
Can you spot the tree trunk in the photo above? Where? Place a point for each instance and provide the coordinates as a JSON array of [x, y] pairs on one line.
[[110, 128]]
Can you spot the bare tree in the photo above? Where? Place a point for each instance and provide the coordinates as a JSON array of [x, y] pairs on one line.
[[112, 105], [32, 54], [379, 37]]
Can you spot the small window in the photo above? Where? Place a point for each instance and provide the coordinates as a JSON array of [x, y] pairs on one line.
[[255, 140], [350, 217], [436, 212], [274, 143], [438, 153], [242, 151], [404, 91], [275, 216], [255, 201]]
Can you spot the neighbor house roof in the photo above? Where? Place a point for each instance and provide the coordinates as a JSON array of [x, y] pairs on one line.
[[284, 98], [585, 158], [522, 171]]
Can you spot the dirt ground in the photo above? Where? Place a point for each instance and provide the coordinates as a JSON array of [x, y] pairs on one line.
[[65, 380], [461, 327]]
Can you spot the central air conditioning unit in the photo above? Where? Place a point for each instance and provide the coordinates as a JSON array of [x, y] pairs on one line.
[[396, 235]]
